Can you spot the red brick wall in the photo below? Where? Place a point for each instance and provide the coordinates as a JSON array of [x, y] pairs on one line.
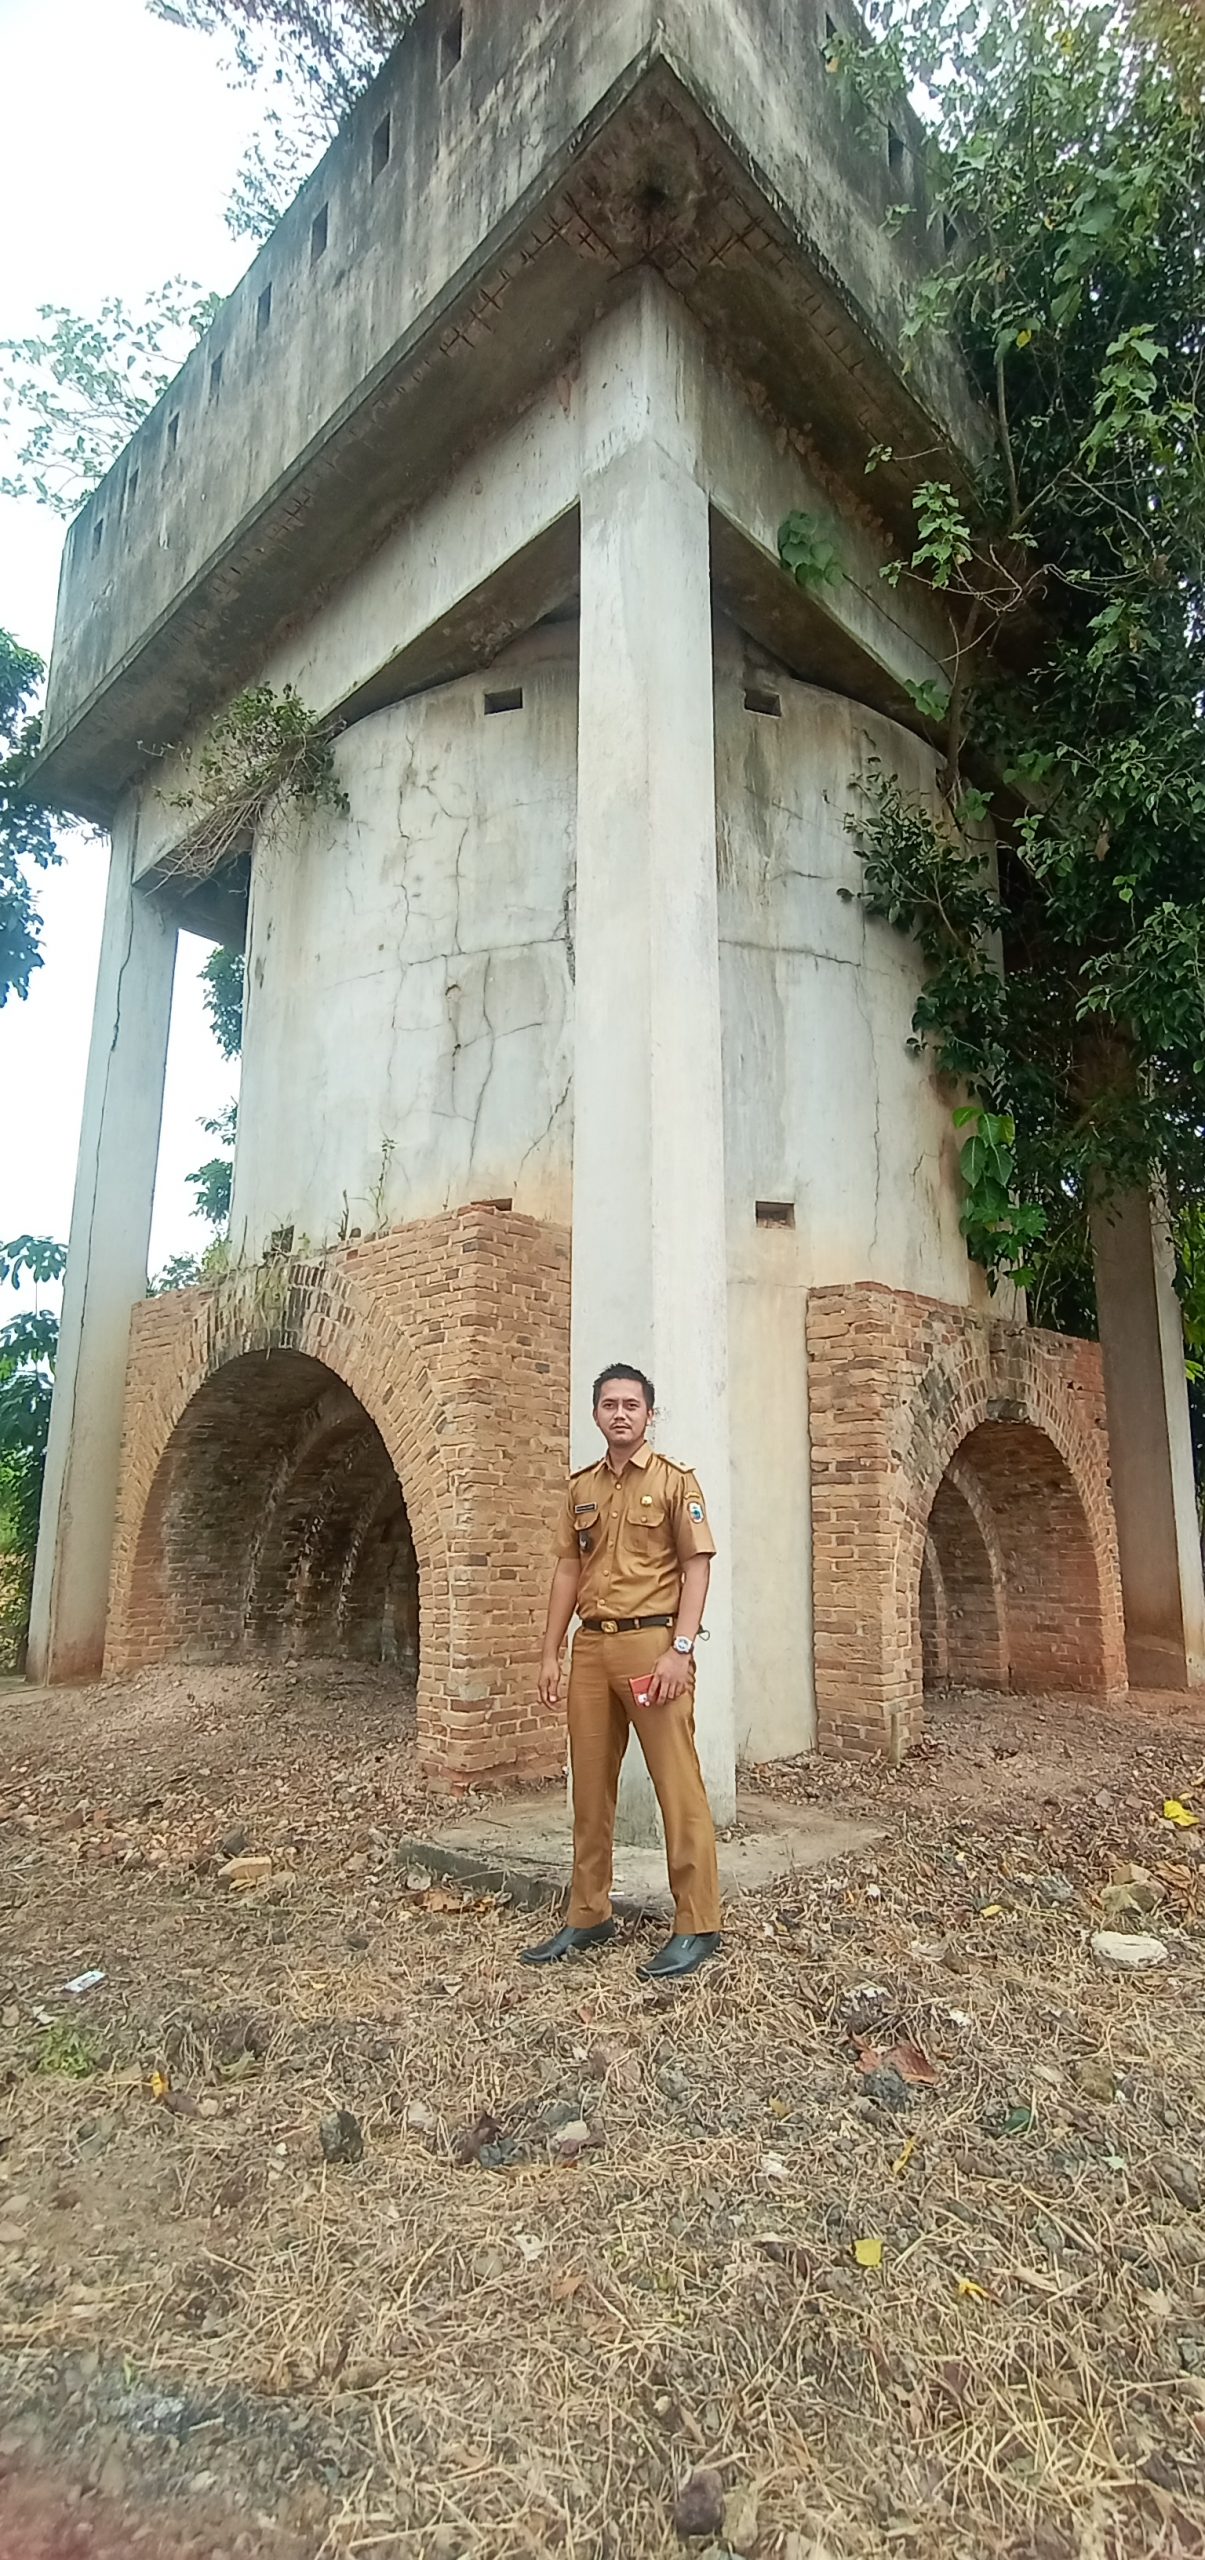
[[898, 1386], [934, 1621], [452, 1337], [963, 1533]]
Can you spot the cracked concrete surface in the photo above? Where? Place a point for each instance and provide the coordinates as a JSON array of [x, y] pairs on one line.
[[824, 1107], [413, 966]]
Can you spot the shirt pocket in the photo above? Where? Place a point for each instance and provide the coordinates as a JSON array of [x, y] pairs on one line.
[[650, 1520]]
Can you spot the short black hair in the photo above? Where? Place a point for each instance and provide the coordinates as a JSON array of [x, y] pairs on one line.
[[622, 1369]]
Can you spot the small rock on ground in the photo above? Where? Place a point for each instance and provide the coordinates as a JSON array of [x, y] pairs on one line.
[[699, 2506], [1127, 1954], [341, 2136], [741, 2521]]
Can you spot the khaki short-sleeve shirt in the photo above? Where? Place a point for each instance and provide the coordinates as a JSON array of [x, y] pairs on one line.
[[633, 1533]]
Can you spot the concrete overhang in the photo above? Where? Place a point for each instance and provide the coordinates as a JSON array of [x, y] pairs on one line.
[[514, 203]]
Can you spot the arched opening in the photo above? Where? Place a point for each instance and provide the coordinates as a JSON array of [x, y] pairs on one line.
[[934, 1625], [968, 1646], [276, 1526], [1009, 1593]]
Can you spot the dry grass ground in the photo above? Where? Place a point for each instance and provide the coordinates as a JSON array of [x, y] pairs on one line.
[[491, 2337]]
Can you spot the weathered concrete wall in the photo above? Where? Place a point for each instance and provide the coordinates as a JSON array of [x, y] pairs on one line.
[[827, 1120], [757, 69], [455, 578], [106, 1271], [824, 1108], [1158, 1532], [464, 145], [407, 1036], [482, 204]]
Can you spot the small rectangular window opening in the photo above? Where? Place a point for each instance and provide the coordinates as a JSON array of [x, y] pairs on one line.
[[759, 698], [263, 311], [318, 234], [98, 533], [382, 144], [895, 151], [215, 378], [509, 698], [451, 44], [131, 488], [775, 1213], [173, 432]]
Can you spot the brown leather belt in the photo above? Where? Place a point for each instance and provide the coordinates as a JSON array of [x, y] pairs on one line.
[[621, 1626]]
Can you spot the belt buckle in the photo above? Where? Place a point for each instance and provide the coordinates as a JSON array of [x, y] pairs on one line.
[[609, 1626]]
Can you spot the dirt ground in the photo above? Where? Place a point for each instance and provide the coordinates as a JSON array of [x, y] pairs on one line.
[[893, 2220]]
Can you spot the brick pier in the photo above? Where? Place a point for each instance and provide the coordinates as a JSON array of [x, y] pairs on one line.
[[380, 1428]]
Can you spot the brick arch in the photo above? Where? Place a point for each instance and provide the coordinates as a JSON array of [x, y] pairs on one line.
[[934, 1621], [255, 1534], [451, 1335], [297, 1579], [1011, 1480], [899, 1388], [381, 1526], [961, 1560], [323, 1425]]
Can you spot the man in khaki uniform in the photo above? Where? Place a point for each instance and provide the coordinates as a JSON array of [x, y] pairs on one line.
[[634, 1559]]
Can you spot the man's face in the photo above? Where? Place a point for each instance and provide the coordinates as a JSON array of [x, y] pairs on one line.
[[622, 1414]]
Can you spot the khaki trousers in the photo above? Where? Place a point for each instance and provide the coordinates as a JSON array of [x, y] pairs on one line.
[[601, 1709]]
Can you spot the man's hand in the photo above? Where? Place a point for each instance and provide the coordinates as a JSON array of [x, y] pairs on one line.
[[562, 1601], [669, 1678]]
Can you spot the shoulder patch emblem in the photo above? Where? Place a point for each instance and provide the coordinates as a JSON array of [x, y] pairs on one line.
[[695, 1509]]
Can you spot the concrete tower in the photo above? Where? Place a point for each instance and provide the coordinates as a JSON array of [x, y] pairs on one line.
[[567, 1034]]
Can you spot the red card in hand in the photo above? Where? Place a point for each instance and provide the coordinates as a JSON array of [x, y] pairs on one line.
[[640, 1688]]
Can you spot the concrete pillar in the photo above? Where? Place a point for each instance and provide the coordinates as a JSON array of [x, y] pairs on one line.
[[106, 1272], [1150, 1446], [649, 1251]]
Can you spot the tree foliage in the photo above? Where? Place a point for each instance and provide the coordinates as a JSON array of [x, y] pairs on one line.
[[222, 995], [28, 1344], [1066, 146], [315, 57], [26, 835], [212, 1181], [71, 398]]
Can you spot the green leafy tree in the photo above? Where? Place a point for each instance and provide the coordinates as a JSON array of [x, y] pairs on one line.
[[222, 992], [1065, 145], [71, 397], [28, 1344], [180, 1271], [315, 57], [212, 1181], [26, 835]]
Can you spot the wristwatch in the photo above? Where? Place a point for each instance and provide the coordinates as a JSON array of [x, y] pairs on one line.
[[684, 1644]]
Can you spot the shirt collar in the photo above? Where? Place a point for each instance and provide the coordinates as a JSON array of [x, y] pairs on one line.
[[640, 1457]]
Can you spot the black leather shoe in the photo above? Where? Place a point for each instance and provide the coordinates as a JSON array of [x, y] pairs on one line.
[[679, 1956], [568, 1942]]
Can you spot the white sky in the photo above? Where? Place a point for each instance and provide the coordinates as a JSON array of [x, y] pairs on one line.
[[120, 144]]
